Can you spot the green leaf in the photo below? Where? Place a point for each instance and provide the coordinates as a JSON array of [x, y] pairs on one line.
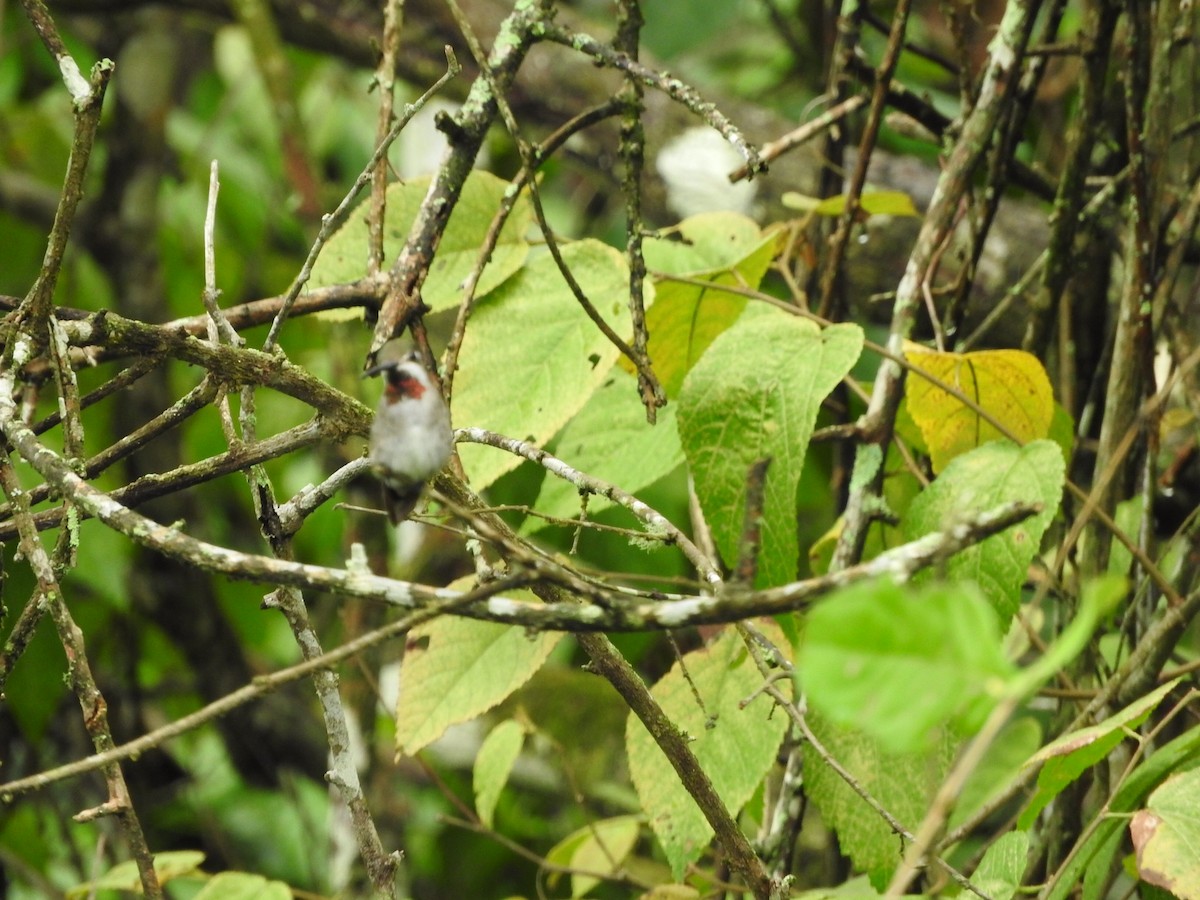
[[1011, 385], [532, 358], [902, 782], [243, 886], [756, 393], [1072, 754], [1062, 431], [598, 847], [720, 249], [344, 258], [1128, 516], [456, 668], [872, 203], [707, 243], [735, 745], [493, 763], [899, 662], [982, 479], [1166, 836], [610, 439], [1002, 867]]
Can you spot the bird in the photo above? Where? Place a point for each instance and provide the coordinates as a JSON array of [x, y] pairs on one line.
[[411, 439]]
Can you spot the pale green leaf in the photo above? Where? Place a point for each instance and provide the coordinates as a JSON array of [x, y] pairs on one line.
[[899, 662], [344, 258], [735, 745], [982, 479], [1000, 871], [243, 886], [1166, 836], [456, 668], [610, 439], [798, 201], [599, 847], [708, 242], [852, 889], [756, 393], [532, 358], [493, 763], [671, 892], [124, 876]]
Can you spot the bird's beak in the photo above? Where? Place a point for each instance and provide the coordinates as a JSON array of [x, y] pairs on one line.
[[375, 370]]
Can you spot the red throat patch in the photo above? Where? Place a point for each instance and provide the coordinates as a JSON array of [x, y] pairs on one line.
[[401, 384]]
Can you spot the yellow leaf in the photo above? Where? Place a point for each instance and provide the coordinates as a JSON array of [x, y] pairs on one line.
[[1011, 386]]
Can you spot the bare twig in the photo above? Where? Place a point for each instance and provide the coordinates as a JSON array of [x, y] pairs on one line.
[[803, 134], [832, 263], [633, 153], [673, 87], [385, 83], [89, 99]]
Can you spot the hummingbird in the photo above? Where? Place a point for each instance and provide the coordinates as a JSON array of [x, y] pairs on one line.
[[411, 439]]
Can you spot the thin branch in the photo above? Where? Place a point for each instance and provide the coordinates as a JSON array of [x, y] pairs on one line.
[[674, 88], [38, 303], [831, 272], [994, 95], [772, 150], [633, 154], [155, 485], [82, 93], [385, 83], [538, 154]]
